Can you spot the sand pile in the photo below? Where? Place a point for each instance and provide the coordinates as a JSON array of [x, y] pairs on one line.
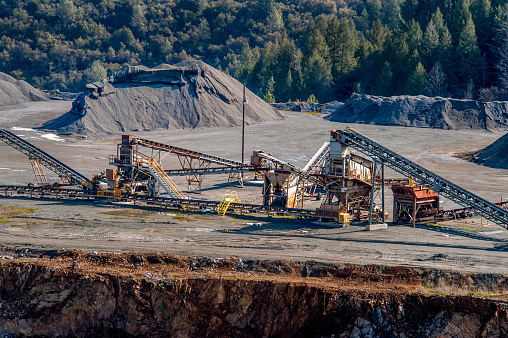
[[190, 94], [494, 155], [13, 91], [422, 111]]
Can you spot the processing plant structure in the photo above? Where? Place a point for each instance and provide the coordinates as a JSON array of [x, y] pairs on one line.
[[347, 183]]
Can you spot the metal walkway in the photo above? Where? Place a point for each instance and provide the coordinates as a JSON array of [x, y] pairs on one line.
[[423, 176], [66, 173]]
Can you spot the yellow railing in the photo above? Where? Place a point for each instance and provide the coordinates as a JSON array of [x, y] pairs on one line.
[[229, 197]]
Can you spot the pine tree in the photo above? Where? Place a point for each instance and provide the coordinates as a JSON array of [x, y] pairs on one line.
[[436, 81], [342, 43], [384, 80], [316, 74], [414, 36], [430, 42], [460, 14], [437, 19], [468, 57], [377, 35], [417, 82], [502, 64]]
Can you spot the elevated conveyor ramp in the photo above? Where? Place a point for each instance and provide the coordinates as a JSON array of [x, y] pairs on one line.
[[66, 173], [423, 176], [187, 152], [291, 168]]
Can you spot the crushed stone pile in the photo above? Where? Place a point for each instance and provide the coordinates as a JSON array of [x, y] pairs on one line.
[[494, 155], [308, 107], [190, 94], [14, 91], [423, 112]]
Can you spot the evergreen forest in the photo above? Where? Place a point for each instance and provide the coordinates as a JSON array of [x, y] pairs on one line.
[[283, 50]]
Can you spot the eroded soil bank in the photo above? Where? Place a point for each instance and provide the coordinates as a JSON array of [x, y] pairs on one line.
[[73, 293]]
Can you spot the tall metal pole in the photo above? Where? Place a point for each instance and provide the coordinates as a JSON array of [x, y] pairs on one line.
[[244, 102]]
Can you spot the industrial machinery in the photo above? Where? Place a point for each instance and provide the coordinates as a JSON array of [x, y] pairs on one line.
[[422, 176]]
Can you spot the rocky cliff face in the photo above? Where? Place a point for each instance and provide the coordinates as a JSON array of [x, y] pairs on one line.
[[77, 294], [423, 112], [190, 94]]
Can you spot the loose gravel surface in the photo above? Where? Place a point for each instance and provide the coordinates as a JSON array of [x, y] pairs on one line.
[[469, 245]]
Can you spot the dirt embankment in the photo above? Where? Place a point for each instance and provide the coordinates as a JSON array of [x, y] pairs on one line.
[[72, 293]]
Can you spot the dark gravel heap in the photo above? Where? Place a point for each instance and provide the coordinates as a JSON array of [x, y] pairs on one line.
[[190, 94], [13, 91], [423, 112]]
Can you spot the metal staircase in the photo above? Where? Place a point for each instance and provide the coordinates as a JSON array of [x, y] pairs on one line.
[[38, 157], [423, 176], [160, 175], [229, 197]]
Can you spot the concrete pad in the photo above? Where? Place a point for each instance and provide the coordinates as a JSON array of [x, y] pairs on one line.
[[376, 226]]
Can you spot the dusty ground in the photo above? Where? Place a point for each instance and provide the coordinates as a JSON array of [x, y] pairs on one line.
[[120, 228]]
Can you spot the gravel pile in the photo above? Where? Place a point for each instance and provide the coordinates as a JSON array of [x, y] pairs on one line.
[[190, 94], [423, 112], [13, 91], [494, 155]]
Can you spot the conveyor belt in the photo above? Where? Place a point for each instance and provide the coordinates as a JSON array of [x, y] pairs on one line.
[[291, 168], [423, 176], [186, 152], [8, 191], [34, 153]]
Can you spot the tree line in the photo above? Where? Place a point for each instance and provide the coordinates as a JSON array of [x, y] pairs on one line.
[[292, 50]]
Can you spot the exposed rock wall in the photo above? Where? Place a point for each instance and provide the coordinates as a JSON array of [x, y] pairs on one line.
[[13, 91], [106, 295], [191, 94], [423, 112]]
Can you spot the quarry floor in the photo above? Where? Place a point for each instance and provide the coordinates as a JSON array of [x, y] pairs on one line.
[[469, 245]]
